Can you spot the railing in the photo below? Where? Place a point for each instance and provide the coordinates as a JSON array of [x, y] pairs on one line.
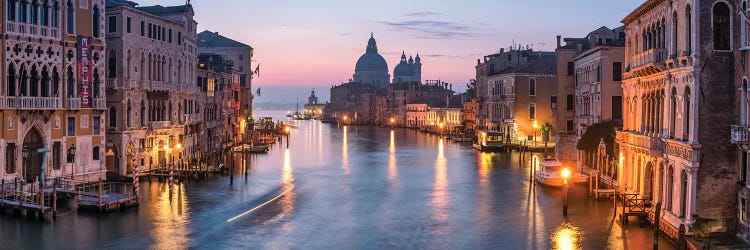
[[191, 118], [33, 30], [100, 103], [739, 134], [73, 103], [645, 141], [648, 57], [112, 83], [24, 102], [159, 125]]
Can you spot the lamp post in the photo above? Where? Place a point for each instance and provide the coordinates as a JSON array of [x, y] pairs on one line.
[[392, 121], [565, 174], [536, 126], [440, 130], [287, 131], [168, 150], [72, 157]]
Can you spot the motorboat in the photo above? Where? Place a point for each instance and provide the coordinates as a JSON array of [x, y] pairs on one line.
[[551, 171], [488, 141]]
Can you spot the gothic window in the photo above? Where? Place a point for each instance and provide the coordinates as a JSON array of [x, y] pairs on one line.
[[143, 114], [11, 10], [33, 86], [670, 187], [44, 14], [661, 183], [672, 112], [128, 115], [45, 82], [22, 11], [96, 22], [56, 159], [532, 111], [97, 84], [683, 193], [24, 82], [11, 80], [70, 17], [686, 116], [56, 15], [71, 84], [34, 12], [721, 27], [112, 117], [55, 83]]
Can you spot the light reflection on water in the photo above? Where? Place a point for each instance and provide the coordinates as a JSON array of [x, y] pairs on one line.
[[440, 194], [392, 171], [567, 236], [170, 215], [345, 150]]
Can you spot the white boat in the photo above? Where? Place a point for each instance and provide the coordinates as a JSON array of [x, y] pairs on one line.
[[550, 174], [488, 141]]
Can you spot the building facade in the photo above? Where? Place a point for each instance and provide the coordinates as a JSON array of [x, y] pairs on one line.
[[408, 70], [676, 87], [151, 90], [740, 131], [54, 93]]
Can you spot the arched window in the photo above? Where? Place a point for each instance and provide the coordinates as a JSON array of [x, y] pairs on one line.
[[22, 11], [24, 83], [686, 116], [670, 187], [34, 84], [112, 117], [55, 83], [70, 89], [97, 84], [96, 22], [70, 17], [11, 80], [675, 37], [45, 83], [56, 15], [112, 64], [11, 12], [683, 193], [721, 27], [44, 13], [688, 31], [34, 12], [143, 114], [660, 179]]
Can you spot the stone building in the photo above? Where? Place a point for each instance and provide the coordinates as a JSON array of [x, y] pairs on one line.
[[598, 80], [521, 98], [740, 131], [151, 92], [679, 94], [416, 115], [54, 93], [371, 67], [312, 107], [241, 56], [215, 129], [434, 93]]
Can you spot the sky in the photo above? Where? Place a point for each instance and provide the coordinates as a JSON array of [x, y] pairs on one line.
[[302, 44]]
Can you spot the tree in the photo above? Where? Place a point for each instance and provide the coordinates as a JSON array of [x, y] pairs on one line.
[[471, 87], [546, 130]]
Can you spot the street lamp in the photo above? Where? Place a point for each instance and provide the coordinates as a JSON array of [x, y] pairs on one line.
[[536, 126], [393, 121], [441, 125], [565, 175], [287, 130]]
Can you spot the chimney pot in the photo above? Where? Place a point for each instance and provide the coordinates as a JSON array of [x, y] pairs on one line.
[[558, 41]]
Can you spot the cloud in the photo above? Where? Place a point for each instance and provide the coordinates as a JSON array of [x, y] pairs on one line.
[[344, 33], [441, 55], [291, 25], [428, 29], [424, 13]]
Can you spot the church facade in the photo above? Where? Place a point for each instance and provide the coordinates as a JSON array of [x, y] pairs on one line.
[[408, 70], [371, 67]]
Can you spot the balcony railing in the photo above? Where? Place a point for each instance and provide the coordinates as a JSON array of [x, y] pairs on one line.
[[739, 134], [73, 103], [159, 125], [191, 118], [100, 103], [648, 57], [28, 103], [32, 29], [112, 83]]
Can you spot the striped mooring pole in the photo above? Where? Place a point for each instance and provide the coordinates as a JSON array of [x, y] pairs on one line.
[[171, 174], [136, 178]]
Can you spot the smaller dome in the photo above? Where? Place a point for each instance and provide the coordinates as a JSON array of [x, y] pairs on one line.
[[403, 69]]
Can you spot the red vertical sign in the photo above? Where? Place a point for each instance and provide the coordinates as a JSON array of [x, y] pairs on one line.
[[84, 65]]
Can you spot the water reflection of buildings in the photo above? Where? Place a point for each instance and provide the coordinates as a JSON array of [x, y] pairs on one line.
[[170, 216], [287, 184], [392, 171], [345, 150]]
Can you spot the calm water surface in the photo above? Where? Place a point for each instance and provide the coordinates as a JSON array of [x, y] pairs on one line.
[[348, 188]]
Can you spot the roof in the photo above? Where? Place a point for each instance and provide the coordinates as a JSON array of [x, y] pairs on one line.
[[213, 39], [546, 64], [642, 9], [162, 10], [118, 3]]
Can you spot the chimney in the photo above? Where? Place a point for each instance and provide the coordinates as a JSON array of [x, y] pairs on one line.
[[558, 41], [479, 61]]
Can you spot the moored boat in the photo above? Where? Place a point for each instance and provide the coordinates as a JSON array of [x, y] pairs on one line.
[[550, 173]]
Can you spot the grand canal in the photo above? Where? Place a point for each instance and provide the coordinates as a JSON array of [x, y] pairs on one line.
[[348, 188]]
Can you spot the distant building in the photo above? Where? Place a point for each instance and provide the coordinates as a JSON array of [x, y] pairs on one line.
[[371, 68], [408, 70], [312, 107]]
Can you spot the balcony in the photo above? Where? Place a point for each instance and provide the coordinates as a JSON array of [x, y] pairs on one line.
[[100, 103], [112, 83], [653, 144], [191, 118], [73, 103], [648, 62], [39, 31], [159, 125], [31, 103], [739, 134]]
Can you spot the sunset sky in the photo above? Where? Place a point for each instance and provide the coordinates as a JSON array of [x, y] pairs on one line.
[[309, 44]]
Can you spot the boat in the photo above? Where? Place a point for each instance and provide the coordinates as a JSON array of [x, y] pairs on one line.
[[550, 173], [300, 116], [259, 149], [488, 141]]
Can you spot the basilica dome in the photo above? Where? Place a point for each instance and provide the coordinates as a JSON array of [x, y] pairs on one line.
[[371, 62], [371, 67]]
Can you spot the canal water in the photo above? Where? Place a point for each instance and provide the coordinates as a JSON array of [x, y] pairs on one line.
[[343, 187]]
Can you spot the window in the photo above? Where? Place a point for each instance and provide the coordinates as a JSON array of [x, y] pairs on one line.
[[179, 38], [721, 27], [571, 68], [532, 87], [570, 102], [617, 71], [170, 35], [683, 193], [11, 10], [532, 111], [688, 31], [95, 153], [686, 116], [96, 22], [112, 24], [56, 15], [569, 125], [670, 187], [112, 117], [128, 25], [10, 158], [97, 125], [70, 15], [143, 28], [56, 159], [33, 12], [743, 210], [743, 167], [598, 74], [71, 125], [150, 31], [553, 101], [112, 64], [617, 108]]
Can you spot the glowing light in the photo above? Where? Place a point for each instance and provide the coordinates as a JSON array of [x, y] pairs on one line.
[[565, 173], [166, 147], [286, 129], [393, 120], [567, 236], [179, 146], [536, 125]]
